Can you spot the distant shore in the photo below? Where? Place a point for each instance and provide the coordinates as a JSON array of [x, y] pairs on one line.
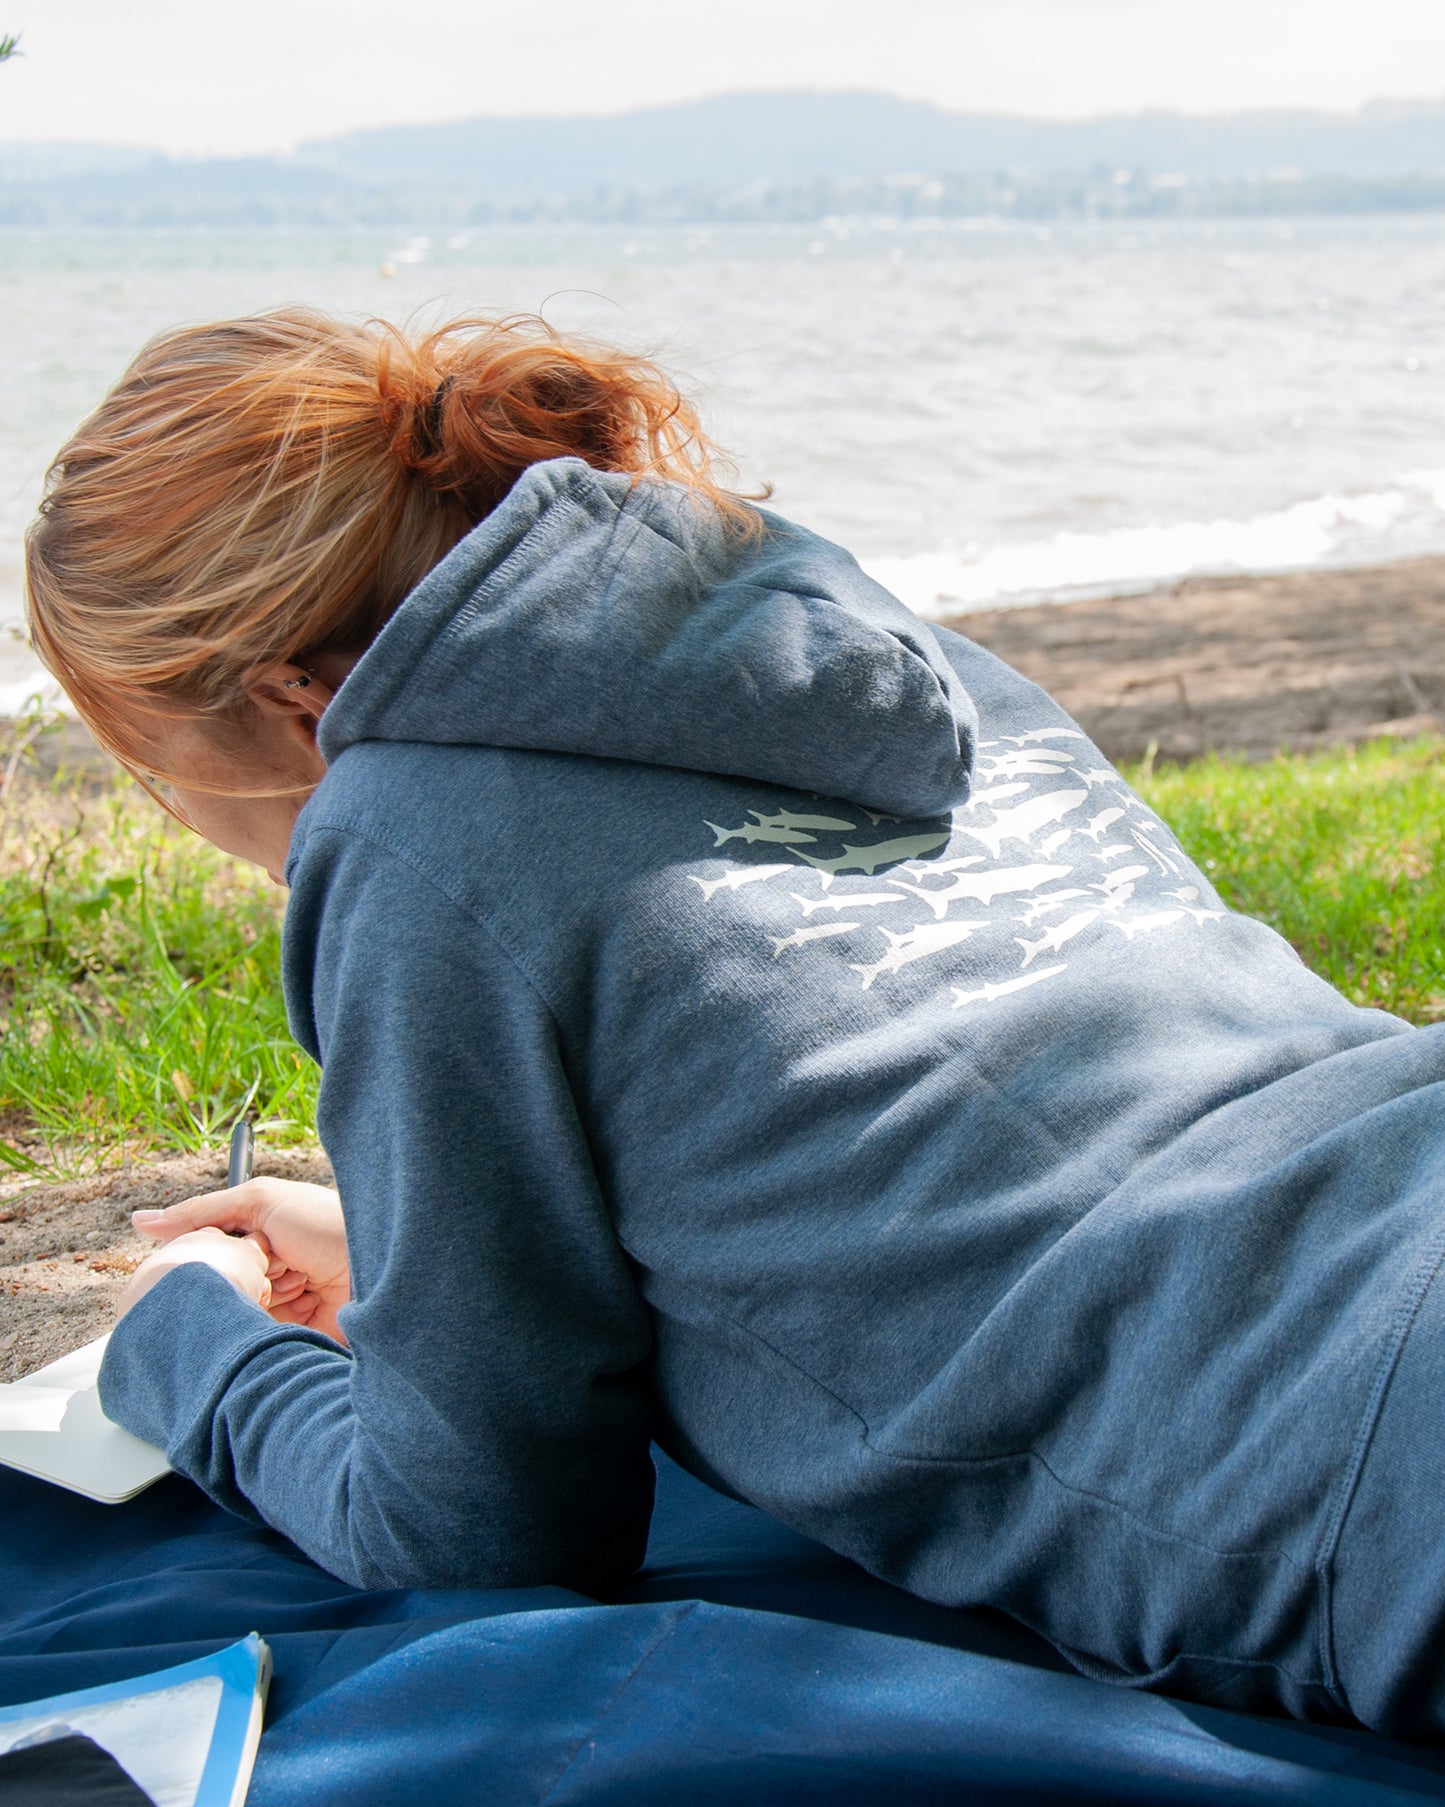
[[1248, 665]]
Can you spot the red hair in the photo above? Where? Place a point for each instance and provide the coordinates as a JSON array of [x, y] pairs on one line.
[[261, 489]]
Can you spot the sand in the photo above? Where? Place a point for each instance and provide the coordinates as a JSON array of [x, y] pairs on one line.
[[67, 1250], [1249, 664]]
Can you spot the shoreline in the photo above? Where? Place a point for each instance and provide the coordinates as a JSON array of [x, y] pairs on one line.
[[1252, 665]]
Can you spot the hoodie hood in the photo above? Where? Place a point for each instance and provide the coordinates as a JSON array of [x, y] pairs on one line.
[[590, 614]]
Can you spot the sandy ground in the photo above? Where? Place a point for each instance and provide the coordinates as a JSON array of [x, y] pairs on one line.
[[1248, 664], [1240, 664], [67, 1250]]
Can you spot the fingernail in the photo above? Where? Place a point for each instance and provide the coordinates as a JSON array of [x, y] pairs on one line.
[[145, 1216]]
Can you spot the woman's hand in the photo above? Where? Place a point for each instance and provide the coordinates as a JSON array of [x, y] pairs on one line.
[[240, 1259], [298, 1230]]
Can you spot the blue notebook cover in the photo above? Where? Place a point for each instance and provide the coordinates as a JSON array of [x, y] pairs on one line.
[[187, 1735]]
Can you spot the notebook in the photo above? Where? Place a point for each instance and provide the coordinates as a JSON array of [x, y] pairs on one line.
[[51, 1426], [183, 1737]]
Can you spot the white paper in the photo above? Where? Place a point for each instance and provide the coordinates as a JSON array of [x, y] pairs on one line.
[[51, 1426]]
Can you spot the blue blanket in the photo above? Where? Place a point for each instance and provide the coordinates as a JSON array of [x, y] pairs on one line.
[[744, 1666]]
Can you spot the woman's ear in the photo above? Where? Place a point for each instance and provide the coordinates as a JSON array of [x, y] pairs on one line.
[[289, 690]]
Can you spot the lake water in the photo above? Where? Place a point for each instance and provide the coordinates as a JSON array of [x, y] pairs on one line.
[[987, 414]]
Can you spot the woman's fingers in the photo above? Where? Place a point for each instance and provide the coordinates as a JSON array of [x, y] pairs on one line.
[[232, 1211]]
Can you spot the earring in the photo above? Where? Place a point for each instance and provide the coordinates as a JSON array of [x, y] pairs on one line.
[[297, 683]]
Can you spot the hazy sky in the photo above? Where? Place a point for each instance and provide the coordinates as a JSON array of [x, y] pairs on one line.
[[194, 75]]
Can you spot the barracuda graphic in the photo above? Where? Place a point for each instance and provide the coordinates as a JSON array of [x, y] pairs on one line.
[[737, 878], [1023, 822], [990, 994], [785, 818], [868, 900], [758, 831], [1097, 827], [883, 853], [983, 887], [1045, 906], [1071, 882], [918, 944], [819, 932]]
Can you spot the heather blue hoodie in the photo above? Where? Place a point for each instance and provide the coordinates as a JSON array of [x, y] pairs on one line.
[[755, 1020]]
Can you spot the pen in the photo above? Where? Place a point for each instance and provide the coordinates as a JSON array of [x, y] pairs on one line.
[[243, 1148]]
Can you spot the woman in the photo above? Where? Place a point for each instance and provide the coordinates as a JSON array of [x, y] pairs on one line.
[[750, 1019]]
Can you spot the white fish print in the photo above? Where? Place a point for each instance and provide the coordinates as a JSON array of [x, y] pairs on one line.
[[1125, 875], [786, 818], [1035, 735], [1188, 895], [1165, 864], [1097, 825], [1046, 905], [1112, 853], [736, 879], [881, 853], [1205, 915], [1023, 821], [801, 937], [917, 944], [997, 794], [758, 831], [1051, 846], [990, 994], [843, 901], [983, 887], [1039, 762], [931, 866], [1055, 938], [876, 816], [1130, 926], [1099, 775]]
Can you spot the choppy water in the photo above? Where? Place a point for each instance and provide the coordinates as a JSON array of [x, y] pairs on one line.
[[987, 414]]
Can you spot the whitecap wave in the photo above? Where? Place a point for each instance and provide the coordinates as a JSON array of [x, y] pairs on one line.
[[1402, 520]]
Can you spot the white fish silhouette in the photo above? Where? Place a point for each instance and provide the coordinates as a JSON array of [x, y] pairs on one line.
[[1035, 735], [736, 879], [983, 887], [1021, 822], [1039, 762], [876, 816], [917, 944], [1130, 926], [1125, 875], [785, 818], [844, 902], [1112, 853], [1095, 827], [801, 937], [990, 994], [758, 831], [1187, 895], [1100, 775], [1046, 905], [1206, 915], [1055, 938], [1051, 846], [929, 866], [881, 853], [1160, 858], [996, 795]]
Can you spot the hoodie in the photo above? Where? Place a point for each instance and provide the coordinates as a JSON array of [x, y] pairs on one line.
[[755, 1020]]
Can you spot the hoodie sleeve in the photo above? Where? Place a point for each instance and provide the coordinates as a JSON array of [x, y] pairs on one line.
[[488, 1426]]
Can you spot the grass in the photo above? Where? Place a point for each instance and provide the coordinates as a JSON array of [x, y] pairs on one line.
[[140, 1000], [1342, 852]]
